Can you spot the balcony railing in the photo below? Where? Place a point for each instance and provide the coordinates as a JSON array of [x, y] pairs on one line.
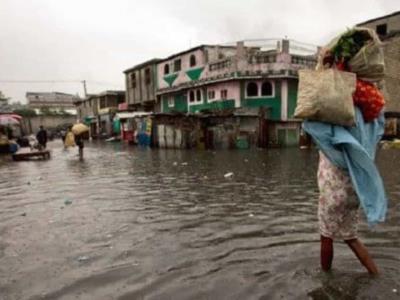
[[262, 59], [219, 65], [303, 60]]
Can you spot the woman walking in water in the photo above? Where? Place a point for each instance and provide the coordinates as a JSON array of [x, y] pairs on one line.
[[347, 175], [338, 214]]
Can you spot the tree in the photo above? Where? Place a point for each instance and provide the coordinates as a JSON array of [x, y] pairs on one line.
[[25, 112], [4, 106], [3, 98], [47, 111], [63, 112]]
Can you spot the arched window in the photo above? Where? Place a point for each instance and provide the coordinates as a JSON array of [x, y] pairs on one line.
[[192, 60], [198, 95], [166, 69], [266, 89], [191, 96], [252, 89]]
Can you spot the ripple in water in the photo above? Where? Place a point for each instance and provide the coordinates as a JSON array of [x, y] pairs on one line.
[[167, 224]]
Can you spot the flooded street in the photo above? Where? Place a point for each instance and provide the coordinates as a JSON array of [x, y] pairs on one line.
[[130, 223]]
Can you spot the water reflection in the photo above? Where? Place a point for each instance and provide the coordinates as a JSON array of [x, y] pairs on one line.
[[167, 224]]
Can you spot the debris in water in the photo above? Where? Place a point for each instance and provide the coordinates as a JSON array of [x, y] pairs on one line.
[[83, 258], [205, 177], [175, 163], [184, 164], [67, 201], [23, 214], [228, 175], [394, 290], [40, 178], [251, 215], [246, 160], [28, 183]]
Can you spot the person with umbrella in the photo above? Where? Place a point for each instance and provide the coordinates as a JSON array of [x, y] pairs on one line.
[[69, 139], [78, 130], [80, 144], [75, 137]]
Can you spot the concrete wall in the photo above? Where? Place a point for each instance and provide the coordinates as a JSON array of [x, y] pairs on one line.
[[31, 125], [393, 23], [88, 107], [53, 100], [391, 87], [392, 78]]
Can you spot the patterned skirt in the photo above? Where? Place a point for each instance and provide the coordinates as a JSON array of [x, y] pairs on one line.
[[338, 203]]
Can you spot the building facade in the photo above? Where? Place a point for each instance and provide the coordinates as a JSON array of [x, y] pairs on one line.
[[244, 79], [388, 29], [98, 110], [141, 86], [52, 100]]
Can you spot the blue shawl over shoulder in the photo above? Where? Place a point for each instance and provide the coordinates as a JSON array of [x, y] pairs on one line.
[[353, 149]]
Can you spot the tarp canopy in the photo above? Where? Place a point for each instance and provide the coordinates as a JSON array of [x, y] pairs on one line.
[[9, 119], [130, 115], [88, 119], [117, 126]]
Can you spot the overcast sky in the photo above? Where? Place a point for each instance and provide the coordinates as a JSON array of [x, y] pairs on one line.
[[74, 40]]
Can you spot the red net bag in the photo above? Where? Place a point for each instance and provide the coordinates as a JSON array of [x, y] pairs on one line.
[[369, 99]]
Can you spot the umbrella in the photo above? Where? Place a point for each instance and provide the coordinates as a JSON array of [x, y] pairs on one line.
[[15, 116], [8, 120], [79, 128]]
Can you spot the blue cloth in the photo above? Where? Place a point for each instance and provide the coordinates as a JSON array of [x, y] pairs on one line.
[[353, 149]]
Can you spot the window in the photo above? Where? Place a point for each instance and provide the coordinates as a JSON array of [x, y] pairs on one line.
[[147, 77], [211, 95], [381, 29], [191, 96], [133, 80], [195, 96], [224, 94], [166, 69], [171, 102], [102, 102], [252, 89], [266, 89], [198, 95], [192, 60], [177, 65]]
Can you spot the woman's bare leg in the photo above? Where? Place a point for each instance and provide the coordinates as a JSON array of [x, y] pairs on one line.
[[362, 254], [326, 253]]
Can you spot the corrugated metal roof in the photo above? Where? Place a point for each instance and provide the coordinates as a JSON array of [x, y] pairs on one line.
[[134, 114], [379, 18]]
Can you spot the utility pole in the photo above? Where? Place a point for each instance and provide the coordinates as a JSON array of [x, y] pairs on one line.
[[84, 88]]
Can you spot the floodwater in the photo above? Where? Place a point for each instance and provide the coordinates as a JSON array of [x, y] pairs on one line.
[[130, 223]]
